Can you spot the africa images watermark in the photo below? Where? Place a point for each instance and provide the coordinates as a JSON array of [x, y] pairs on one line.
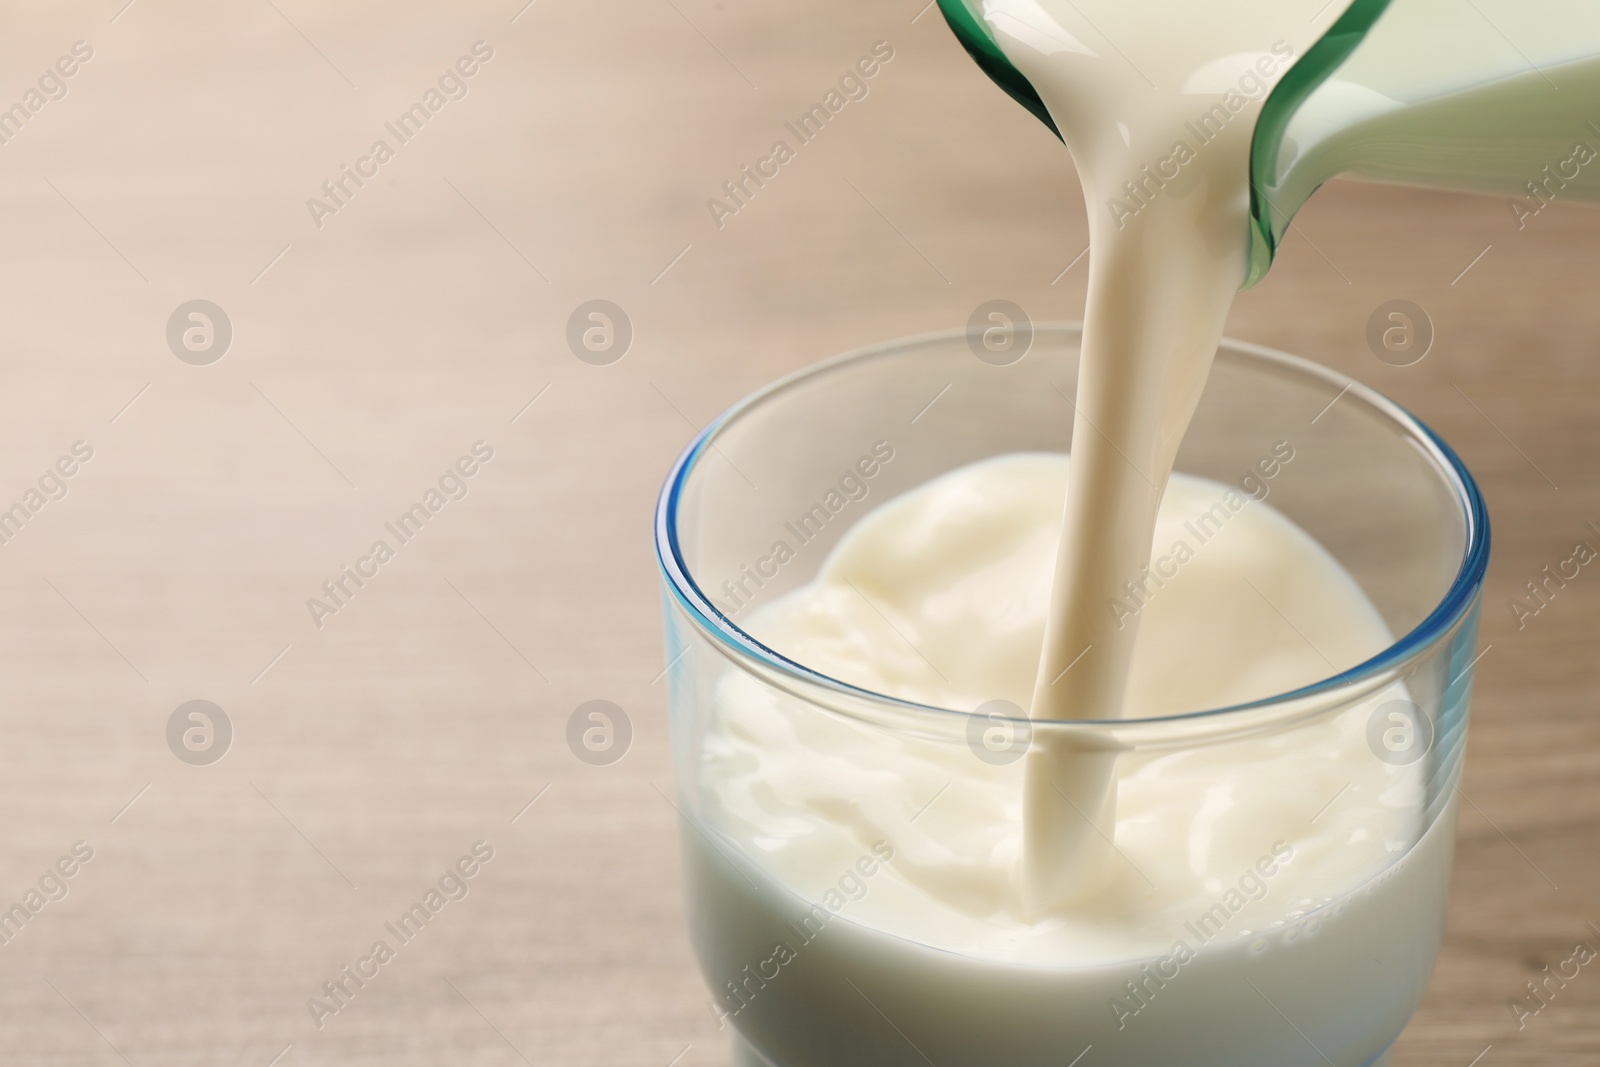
[[599, 732], [739, 992], [1545, 188], [1540, 993], [1253, 485], [340, 590], [1252, 887], [51, 486], [52, 886], [1253, 84], [852, 86], [851, 487], [50, 87], [337, 192], [1540, 592], [340, 991]]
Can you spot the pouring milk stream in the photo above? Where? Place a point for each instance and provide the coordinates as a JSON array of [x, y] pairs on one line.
[[1162, 275], [1003, 579], [1159, 104]]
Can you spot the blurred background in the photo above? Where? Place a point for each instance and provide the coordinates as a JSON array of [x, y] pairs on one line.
[[363, 344]]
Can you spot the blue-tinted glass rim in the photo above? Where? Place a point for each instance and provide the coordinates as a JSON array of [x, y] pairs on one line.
[[1450, 610]]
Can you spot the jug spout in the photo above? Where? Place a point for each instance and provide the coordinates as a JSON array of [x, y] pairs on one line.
[[966, 21], [1487, 96]]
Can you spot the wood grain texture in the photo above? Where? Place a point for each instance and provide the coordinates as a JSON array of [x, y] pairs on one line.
[[370, 352]]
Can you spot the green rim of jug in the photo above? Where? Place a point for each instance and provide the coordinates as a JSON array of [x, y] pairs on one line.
[[966, 20], [1268, 221]]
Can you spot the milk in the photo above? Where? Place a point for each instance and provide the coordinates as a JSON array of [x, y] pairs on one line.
[[850, 854], [1126, 85], [1437, 94], [1276, 899]]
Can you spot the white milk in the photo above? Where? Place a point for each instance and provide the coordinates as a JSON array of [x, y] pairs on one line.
[[1267, 901], [1232, 865], [1157, 101], [1438, 95]]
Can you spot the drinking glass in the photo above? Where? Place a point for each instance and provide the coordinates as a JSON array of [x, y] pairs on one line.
[[750, 512]]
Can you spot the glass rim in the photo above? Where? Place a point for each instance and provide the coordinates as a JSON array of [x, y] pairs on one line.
[[1445, 615]]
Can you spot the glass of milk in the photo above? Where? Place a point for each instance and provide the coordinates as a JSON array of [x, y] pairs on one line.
[[851, 851]]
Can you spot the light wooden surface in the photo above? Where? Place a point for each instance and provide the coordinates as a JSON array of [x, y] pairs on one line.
[[422, 317]]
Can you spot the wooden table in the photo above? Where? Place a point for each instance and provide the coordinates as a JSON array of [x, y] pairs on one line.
[[374, 344]]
